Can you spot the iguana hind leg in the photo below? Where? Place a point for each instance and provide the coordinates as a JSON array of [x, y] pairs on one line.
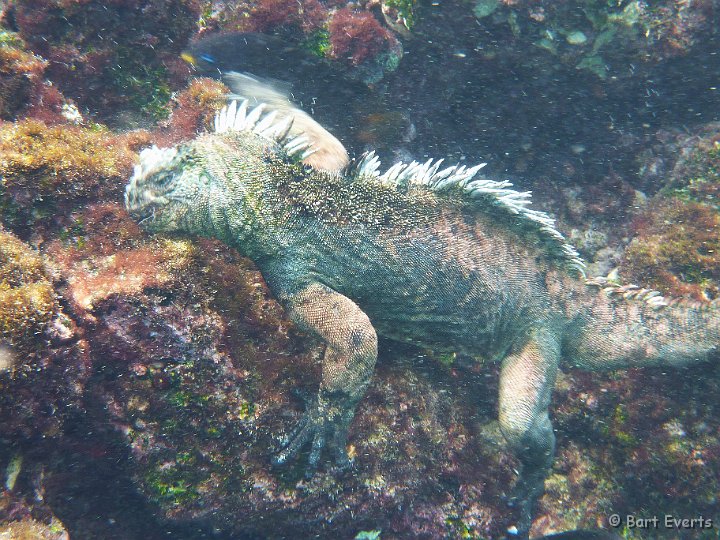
[[348, 366], [526, 383]]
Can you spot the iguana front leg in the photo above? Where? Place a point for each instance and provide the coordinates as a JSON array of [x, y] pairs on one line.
[[348, 366], [527, 379]]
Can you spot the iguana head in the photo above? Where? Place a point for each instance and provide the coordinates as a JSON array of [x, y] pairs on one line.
[[174, 189], [166, 188]]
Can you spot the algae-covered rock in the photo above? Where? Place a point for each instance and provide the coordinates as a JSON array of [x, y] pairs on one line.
[[27, 300], [675, 246], [635, 443], [20, 74], [110, 57], [30, 529], [43, 361], [359, 42], [200, 373], [597, 37], [44, 168], [695, 175]]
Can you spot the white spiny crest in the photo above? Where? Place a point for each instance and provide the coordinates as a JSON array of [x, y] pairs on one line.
[[234, 117], [612, 287], [499, 194], [152, 160]]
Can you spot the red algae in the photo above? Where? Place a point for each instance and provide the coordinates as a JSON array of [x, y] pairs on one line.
[[194, 111], [676, 249], [20, 77], [194, 363], [103, 254], [356, 36], [306, 15], [108, 56], [269, 16]]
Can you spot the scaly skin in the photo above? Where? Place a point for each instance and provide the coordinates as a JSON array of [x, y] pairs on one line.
[[352, 257]]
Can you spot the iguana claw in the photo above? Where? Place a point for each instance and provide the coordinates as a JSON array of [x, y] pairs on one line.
[[324, 420]]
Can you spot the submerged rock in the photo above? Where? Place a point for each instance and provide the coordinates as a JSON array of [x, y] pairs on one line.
[[27, 299], [675, 245], [48, 170], [29, 529], [20, 74], [168, 361], [114, 58]]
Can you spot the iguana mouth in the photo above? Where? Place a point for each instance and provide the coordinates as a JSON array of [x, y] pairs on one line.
[[142, 203], [144, 215]]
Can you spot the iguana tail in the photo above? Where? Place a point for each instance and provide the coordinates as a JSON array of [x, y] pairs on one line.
[[627, 326]]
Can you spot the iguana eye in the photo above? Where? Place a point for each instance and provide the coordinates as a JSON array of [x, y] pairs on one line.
[[164, 178]]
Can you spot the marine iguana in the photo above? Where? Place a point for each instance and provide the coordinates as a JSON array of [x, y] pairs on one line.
[[435, 256]]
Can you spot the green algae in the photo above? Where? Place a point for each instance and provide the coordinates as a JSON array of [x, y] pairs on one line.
[[368, 535], [246, 410], [594, 64], [576, 37], [318, 43], [174, 485], [598, 37], [621, 428], [629, 16], [146, 85], [447, 359], [485, 8], [405, 9], [457, 528], [10, 39], [700, 178]]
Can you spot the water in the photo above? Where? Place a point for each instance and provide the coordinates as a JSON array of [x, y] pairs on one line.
[[148, 380]]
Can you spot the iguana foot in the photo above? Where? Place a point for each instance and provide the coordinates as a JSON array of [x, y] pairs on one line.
[[325, 423], [348, 364], [521, 529]]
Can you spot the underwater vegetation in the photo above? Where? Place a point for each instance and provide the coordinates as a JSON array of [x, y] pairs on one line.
[[696, 173], [676, 245], [168, 365], [625, 449], [353, 38], [676, 248], [603, 38], [30, 529], [47, 167], [193, 111], [109, 56], [358, 39], [42, 373], [345, 29], [264, 16], [20, 74], [27, 299]]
